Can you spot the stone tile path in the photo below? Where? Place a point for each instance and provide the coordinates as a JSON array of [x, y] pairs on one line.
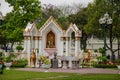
[[81, 70]]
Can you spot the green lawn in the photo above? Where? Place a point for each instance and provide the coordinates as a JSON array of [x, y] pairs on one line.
[[26, 75]]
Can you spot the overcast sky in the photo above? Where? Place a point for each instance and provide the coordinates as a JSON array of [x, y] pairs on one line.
[[4, 8]]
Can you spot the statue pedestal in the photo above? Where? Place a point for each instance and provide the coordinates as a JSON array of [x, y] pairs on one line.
[[50, 51], [70, 62], [64, 65]]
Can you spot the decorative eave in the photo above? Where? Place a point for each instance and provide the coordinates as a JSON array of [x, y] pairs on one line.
[[48, 21], [29, 29], [74, 28], [70, 27]]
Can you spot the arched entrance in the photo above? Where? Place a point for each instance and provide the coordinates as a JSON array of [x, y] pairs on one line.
[[50, 43], [50, 40], [72, 42]]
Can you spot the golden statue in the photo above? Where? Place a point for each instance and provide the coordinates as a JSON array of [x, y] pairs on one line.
[[33, 58], [87, 56]]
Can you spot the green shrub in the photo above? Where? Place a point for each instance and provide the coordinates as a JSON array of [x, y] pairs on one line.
[[104, 66], [95, 50], [19, 47], [102, 58], [117, 61], [102, 50], [20, 63], [1, 54]]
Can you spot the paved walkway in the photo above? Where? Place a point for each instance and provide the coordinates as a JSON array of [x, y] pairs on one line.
[[81, 70]]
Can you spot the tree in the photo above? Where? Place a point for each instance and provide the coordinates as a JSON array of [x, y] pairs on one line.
[[23, 12], [98, 8], [80, 19], [47, 11], [56, 12]]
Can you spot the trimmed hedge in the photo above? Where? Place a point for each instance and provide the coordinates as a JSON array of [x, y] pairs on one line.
[[19, 65], [104, 66]]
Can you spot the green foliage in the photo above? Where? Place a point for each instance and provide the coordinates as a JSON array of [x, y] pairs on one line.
[[1, 54], [20, 63], [102, 58], [64, 22], [48, 10], [104, 66], [95, 50], [96, 10], [44, 59], [23, 12], [19, 47], [102, 50], [9, 58], [117, 61], [80, 19]]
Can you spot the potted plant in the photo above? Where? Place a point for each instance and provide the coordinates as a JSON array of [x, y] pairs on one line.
[[46, 63], [19, 48], [8, 60], [118, 64]]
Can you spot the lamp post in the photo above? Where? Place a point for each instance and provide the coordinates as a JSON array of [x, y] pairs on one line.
[[105, 22]]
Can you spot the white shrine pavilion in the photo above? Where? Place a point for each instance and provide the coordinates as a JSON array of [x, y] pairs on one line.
[[51, 38]]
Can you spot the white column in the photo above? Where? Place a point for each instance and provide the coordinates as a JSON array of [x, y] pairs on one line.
[[28, 49], [32, 42], [36, 47], [67, 46], [40, 40], [36, 42], [25, 43], [61, 47], [70, 64], [77, 45], [70, 45]]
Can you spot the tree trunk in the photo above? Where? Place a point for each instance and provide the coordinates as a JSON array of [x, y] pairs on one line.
[[83, 41], [12, 43], [5, 47]]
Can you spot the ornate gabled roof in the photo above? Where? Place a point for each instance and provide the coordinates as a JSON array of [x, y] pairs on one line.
[[51, 19], [29, 27], [74, 28]]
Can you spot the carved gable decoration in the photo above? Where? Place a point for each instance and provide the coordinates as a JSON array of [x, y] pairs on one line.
[[30, 29], [51, 22], [73, 28]]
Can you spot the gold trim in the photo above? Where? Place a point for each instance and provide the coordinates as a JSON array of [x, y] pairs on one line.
[[77, 38], [39, 37], [61, 38], [48, 21], [35, 37], [27, 37], [67, 38]]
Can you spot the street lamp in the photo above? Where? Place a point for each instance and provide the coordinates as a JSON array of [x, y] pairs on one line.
[[105, 21]]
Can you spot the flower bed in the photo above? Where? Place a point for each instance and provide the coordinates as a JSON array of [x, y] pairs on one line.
[[44, 59]]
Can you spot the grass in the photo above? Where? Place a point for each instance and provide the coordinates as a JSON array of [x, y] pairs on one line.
[[27, 75]]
